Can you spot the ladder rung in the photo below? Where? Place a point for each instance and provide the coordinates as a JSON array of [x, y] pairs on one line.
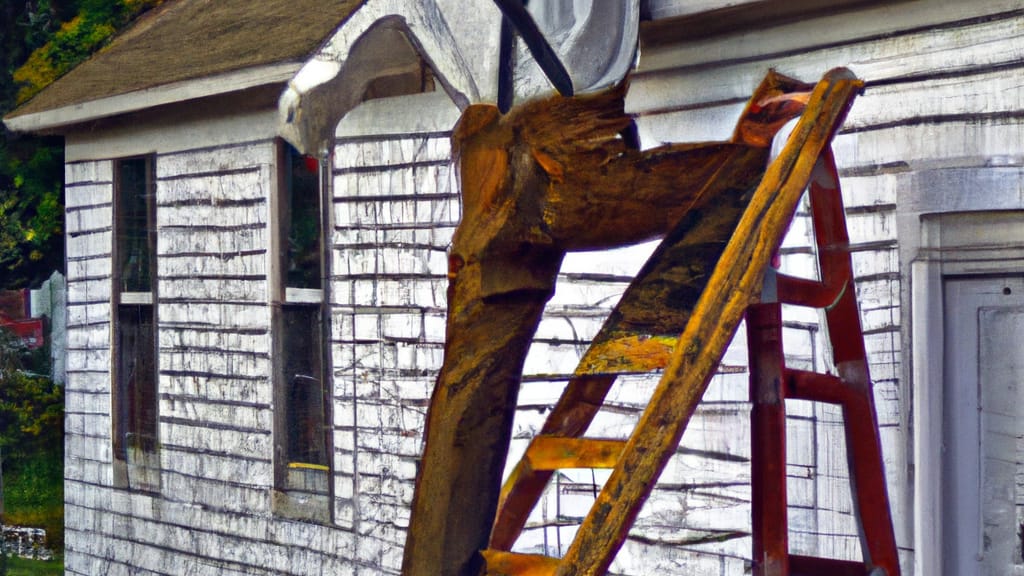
[[501, 563], [558, 452], [628, 353], [812, 566], [804, 385]]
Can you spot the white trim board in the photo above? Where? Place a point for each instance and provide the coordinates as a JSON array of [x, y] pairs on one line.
[[951, 222], [66, 116]]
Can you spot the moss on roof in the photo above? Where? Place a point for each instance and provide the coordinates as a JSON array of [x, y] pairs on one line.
[[189, 39]]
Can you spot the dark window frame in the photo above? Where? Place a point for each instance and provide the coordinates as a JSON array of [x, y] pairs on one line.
[[135, 411]]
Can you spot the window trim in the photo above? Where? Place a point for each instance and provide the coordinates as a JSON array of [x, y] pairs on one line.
[[282, 296]]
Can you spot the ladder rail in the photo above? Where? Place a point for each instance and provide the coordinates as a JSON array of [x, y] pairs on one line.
[[863, 445], [771, 383]]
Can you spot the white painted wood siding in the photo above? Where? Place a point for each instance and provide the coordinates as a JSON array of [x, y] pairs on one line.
[[395, 209], [944, 90], [88, 447], [213, 514]]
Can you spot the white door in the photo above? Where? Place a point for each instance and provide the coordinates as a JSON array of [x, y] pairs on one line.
[[983, 433]]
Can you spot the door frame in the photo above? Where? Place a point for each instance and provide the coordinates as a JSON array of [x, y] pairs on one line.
[[964, 221]]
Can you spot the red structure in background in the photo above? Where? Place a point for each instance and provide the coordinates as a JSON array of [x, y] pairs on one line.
[[15, 315], [771, 383]]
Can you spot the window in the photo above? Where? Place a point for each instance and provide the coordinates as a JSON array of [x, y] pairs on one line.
[[135, 403], [304, 394], [302, 397]]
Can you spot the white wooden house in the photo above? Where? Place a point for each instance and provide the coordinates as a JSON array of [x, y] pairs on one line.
[[253, 334]]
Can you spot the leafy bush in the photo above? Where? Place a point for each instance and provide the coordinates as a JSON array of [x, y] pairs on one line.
[[31, 214], [31, 405], [31, 439]]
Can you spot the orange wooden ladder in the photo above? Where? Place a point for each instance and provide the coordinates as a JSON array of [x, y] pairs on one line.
[[749, 227]]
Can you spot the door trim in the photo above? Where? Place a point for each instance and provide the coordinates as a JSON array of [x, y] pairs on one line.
[[950, 244]]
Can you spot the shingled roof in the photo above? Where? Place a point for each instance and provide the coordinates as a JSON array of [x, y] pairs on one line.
[[185, 40]]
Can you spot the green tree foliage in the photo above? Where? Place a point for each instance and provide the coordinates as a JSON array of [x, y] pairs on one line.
[[75, 40], [31, 170], [31, 405], [31, 210], [31, 439], [40, 40]]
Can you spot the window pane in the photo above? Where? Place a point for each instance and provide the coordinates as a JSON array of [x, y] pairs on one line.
[[301, 222], [136, 418], [304, 390], [133, 225]]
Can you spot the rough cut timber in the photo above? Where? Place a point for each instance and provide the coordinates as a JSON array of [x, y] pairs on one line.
[[551, 176]]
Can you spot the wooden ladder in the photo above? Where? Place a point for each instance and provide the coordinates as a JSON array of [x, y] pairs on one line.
[[679, 314]]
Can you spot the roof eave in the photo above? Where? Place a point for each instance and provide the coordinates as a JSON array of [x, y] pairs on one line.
[[60, 120]]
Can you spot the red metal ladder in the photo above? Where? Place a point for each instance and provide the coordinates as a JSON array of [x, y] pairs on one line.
[[771, 383]]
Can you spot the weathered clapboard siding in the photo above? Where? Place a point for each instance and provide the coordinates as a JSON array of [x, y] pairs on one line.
[[395, 209], [944, 89], [214, 354], [88, 196], [213, 513]]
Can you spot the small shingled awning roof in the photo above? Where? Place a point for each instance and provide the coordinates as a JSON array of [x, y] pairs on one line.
[[183, 40]]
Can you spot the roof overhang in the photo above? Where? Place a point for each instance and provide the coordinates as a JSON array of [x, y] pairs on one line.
[[59, 120]]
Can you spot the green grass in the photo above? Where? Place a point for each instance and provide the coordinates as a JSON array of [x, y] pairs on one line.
[[34, 494], [22, 567]]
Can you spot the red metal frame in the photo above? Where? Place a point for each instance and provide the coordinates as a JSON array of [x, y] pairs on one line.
[[771, 383]]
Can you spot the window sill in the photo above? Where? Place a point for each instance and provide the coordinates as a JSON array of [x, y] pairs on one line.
[[141, 475], [304, 506]]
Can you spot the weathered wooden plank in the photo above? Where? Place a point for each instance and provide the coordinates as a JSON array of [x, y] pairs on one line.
[[207, 265], [214, 339], [245, 289], [89, 219], [100, 172], [207, 215], [215, 362], [198, 315], [88, 291], [217, 388], [219, 414], [425, 180], [234, 157], [385, 152], [91, 243], [246, 183], [218, 440], [202, 239], [883, 30]]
